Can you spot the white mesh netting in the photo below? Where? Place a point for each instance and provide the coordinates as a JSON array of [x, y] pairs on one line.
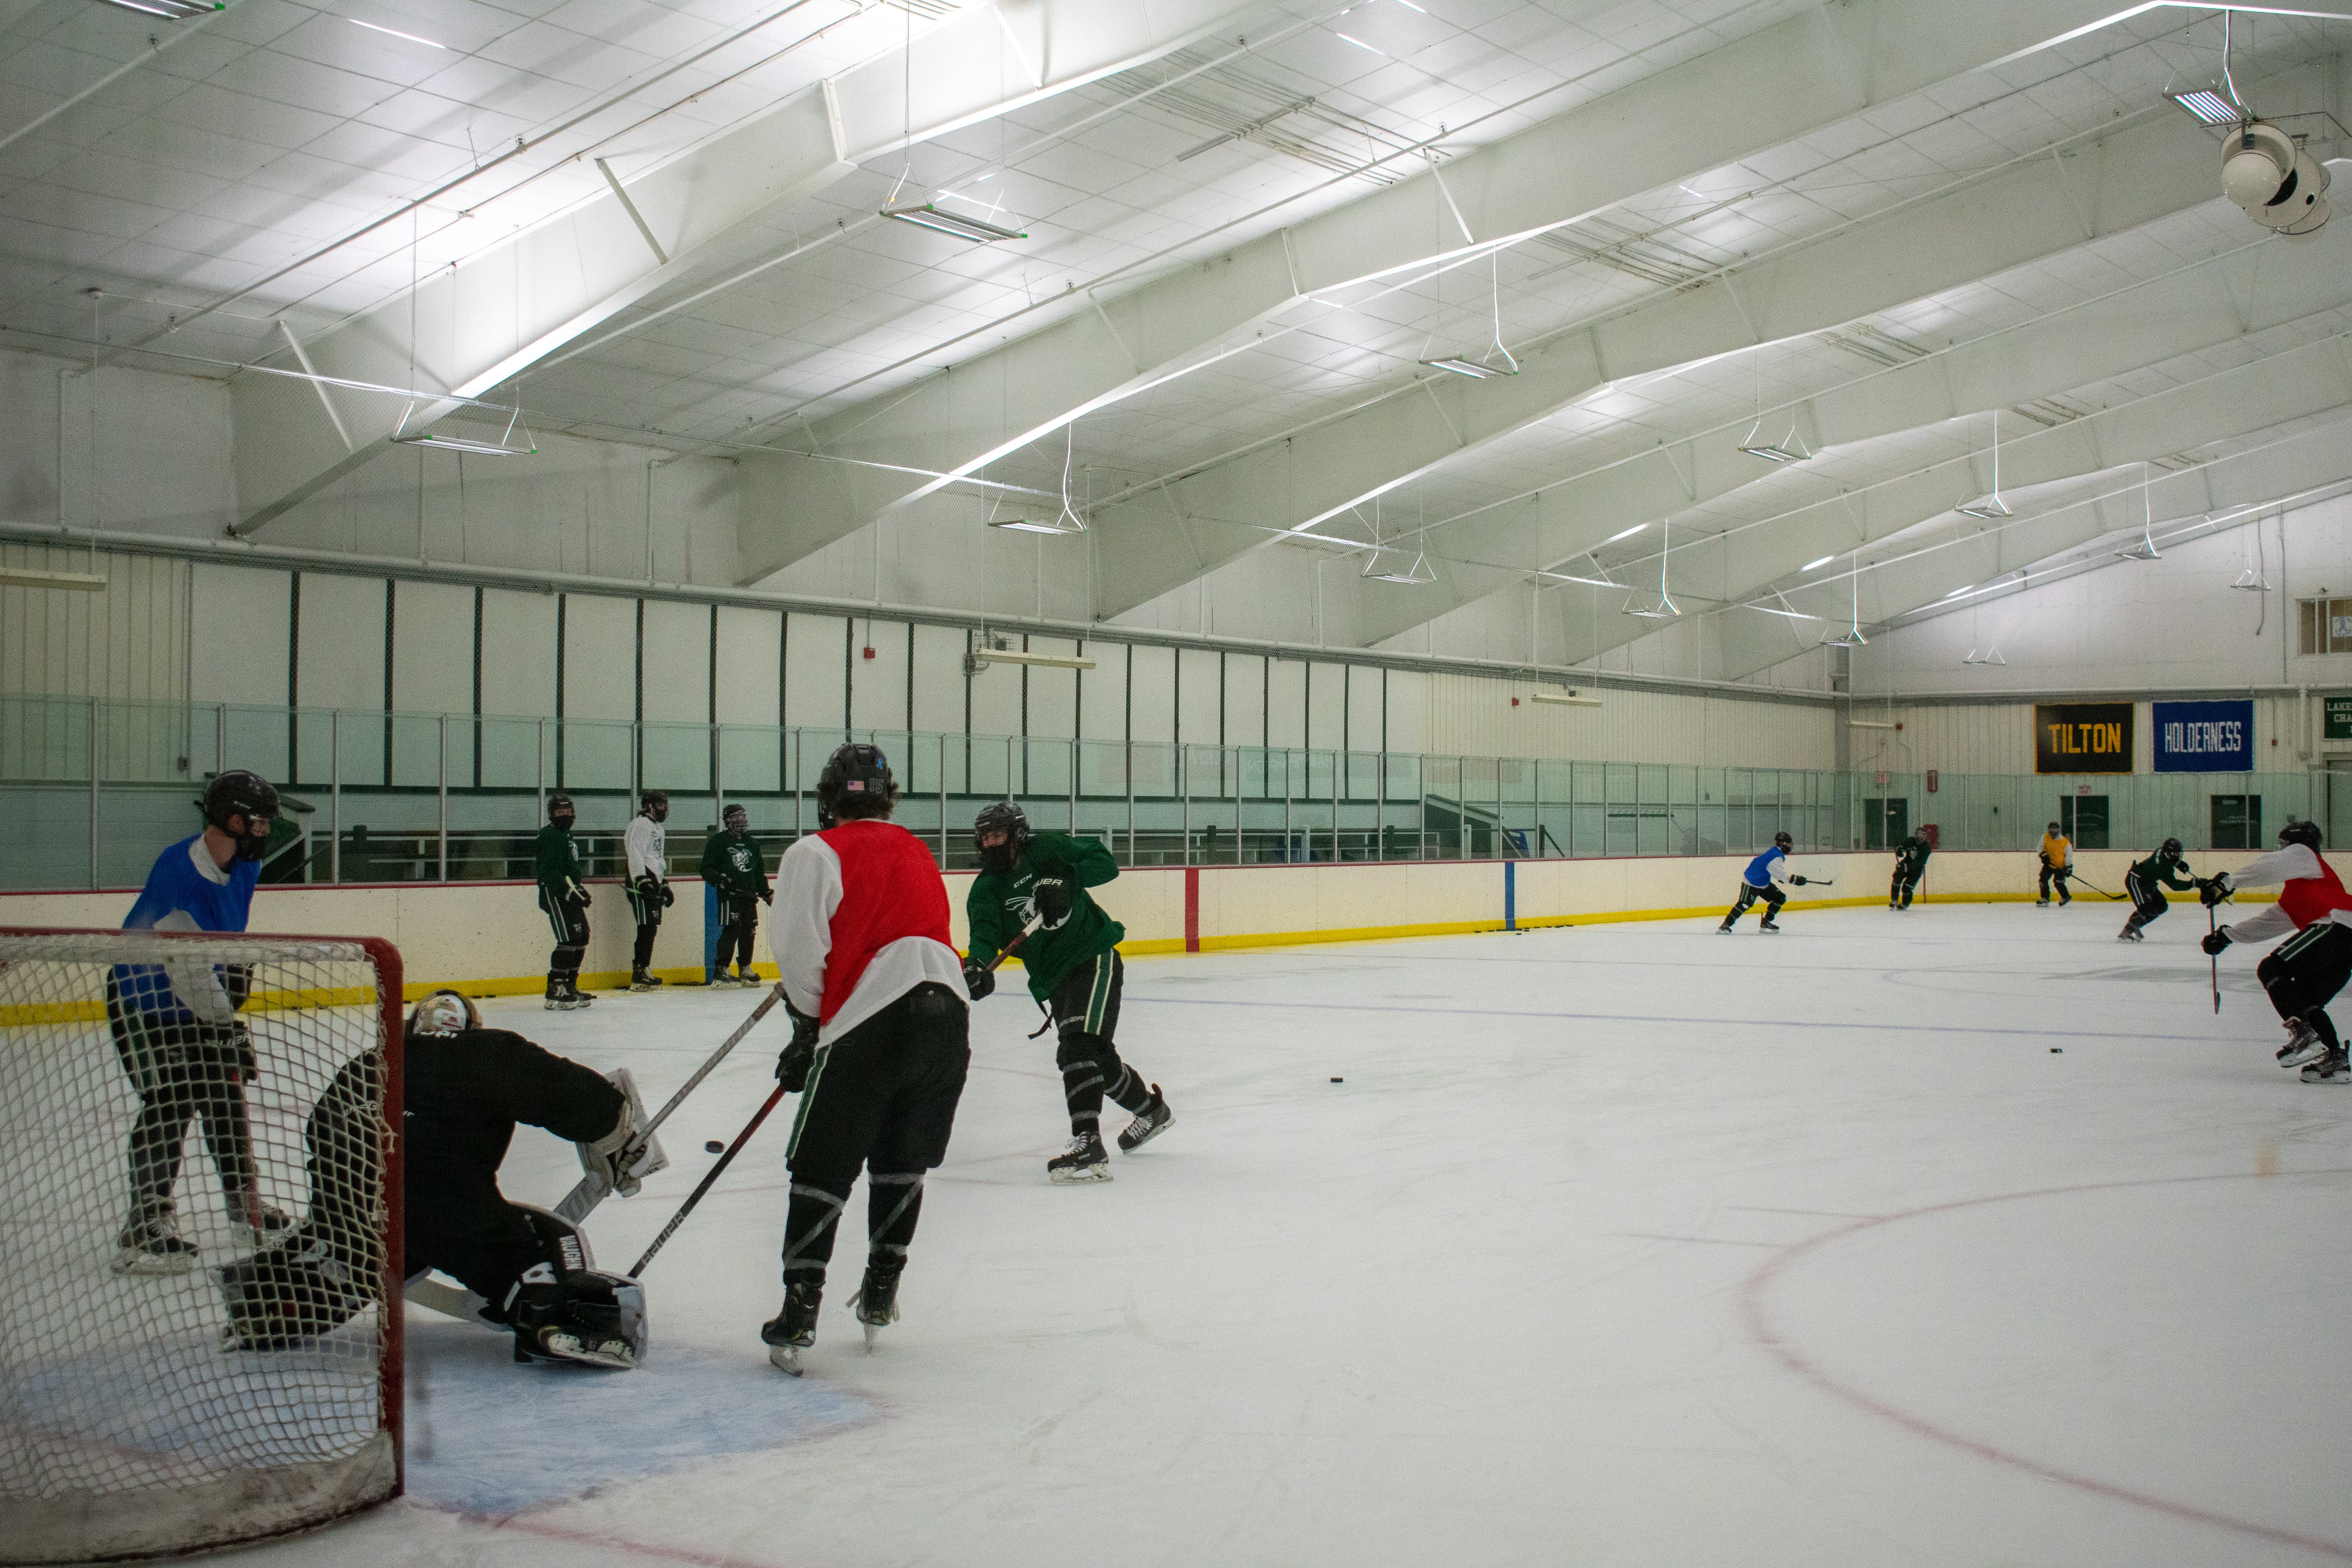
[[192, 1343]]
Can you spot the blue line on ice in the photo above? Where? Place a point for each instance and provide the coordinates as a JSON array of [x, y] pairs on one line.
[[493, 1438]]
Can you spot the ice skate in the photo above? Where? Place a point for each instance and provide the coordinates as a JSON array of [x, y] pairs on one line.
[[1723, 930], [1149, 1122], [877, 1301], [575, 998], [257, 1225], [793, 1328], [554, 1002], [1770, 924], [747, 980], [2334, 1068], [151, 1244], [2130, 934], [2302, 1046], [639, 980], [1085, 1161], [2040, 904]]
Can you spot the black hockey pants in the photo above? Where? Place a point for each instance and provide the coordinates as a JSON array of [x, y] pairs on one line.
[[2304, 972], [1906, 883], [567, 919], [646, 905], [183, 1072], [2059, 874], [2148, 901], [882, 1096], [739, 923], [1085, 1009], [1773, 899]]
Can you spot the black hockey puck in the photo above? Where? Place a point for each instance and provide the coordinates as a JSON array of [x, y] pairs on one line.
[[1338, 1081], [714, 1146], [2057, 1050]]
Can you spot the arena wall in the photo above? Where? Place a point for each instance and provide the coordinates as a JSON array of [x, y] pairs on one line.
[[489, 937]]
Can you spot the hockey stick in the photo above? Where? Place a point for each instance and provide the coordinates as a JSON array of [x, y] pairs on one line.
[[696, 1197], [2212, 924], [1010, 948], [2075, 877], [582, 1199]]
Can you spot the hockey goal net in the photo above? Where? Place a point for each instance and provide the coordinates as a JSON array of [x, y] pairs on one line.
[[199, 1292]]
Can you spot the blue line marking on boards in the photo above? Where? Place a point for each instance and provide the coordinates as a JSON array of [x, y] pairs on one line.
[[1510, 895]]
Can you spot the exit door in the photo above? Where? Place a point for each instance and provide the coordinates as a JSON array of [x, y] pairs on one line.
[[1885, 823]]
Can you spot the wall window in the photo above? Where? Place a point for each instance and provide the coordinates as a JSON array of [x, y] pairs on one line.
[[2237, 822], [2082, 818], [2326, 625]]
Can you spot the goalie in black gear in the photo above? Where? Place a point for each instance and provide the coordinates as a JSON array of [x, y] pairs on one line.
[[465, 1089]]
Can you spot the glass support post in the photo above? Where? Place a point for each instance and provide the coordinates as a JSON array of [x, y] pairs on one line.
[[93, 799], [943, 801], [335, 795], [443, 792]]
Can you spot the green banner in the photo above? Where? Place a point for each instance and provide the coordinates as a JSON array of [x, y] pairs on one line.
[[2339, 717]]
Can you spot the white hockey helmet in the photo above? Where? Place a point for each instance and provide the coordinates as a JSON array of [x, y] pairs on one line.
[[444, 1013]]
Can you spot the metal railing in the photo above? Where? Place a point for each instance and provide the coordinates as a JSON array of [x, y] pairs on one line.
[[94, 788]]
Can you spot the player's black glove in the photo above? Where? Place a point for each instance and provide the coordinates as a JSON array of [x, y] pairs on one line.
[[792, 1063], [2216, 940], [768, 897], [1796, 882], [2212, 891], [669, 895], [575, 894], [978, 978], [1053, 902]]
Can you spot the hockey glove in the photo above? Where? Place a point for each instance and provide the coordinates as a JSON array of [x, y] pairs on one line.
[[978, 978], [1053, 902], [793, 1062], [2212, 891], [611, 1156], [575, 894], [1796, 882], [2215, 940], [669, 895]]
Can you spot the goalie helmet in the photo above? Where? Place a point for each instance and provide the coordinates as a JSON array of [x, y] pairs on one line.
[[2303, 833], [444, 1013], [1000, 815], [856, 783], [234, 794]]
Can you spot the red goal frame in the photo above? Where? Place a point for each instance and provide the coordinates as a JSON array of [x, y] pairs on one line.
[[391, 1023]]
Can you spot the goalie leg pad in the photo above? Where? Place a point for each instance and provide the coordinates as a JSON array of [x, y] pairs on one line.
[[584, 1317], [289, 1294]]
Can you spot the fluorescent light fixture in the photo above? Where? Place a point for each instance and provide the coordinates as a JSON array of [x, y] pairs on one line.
[[1360, 44], [1588, 581], [1469, 367], [1564, 698], [1957, 592], [1866, 724], [1414, 575], [1773, 453], [1850, 638], [927, 214], [2210, 107], [1041, 660], [463, 444], [29, 577], [1991, 510], [1665, 611], [1626, 533], [1030, 525], [170, 10], [2145, 549], [1791, 614], [395, 32], [1817, 565]]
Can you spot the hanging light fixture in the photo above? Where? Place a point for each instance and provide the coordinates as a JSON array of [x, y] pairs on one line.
[[1665, 608], [960, 226], [502, 448], [1483, 367], [1789, 449], [1414, 575], [1996, 509], [2146, 549], [1068, 521], [1851, 636]]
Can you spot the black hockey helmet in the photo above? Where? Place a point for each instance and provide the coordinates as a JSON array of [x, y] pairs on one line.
[[2303, 833], [735, 818], [1782, 839], [856, 783], [560, 808], [445, 1012], [234, 794], [655, 801], [2171, 847], [2053, 827], [1014, 822]]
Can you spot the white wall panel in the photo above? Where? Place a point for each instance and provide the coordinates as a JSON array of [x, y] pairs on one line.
[[938, 679], [1363, 728], [129, 641], [881, 689], [1327, 705], [1244, 699], [1200, 694], [339, 656], [239, 631], [1285, 703], [517, 653], [600, 657], [677, 672], [996, 699], [1408, 711], [1102, 695], [1474, 715], [751, 666], [432, 648], [1153, 714], [1054, 693], [813, 691]]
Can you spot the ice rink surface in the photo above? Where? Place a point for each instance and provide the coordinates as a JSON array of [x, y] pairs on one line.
[[1619, 1245]]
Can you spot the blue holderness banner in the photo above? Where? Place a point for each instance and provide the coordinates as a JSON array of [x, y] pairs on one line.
[[2205, 736]]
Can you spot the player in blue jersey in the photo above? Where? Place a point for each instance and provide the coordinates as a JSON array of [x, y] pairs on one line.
[[1760, 881], [177, 1033]]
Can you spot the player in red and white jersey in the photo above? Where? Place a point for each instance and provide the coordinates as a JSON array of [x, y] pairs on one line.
[[880, 1039], [2304, 972]]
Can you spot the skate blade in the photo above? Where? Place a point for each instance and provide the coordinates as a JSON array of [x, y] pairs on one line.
[[146, 1263], [785, 1358], [1083, 1174], [2303, 1058], [2310, 1077], [872, 1337]]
